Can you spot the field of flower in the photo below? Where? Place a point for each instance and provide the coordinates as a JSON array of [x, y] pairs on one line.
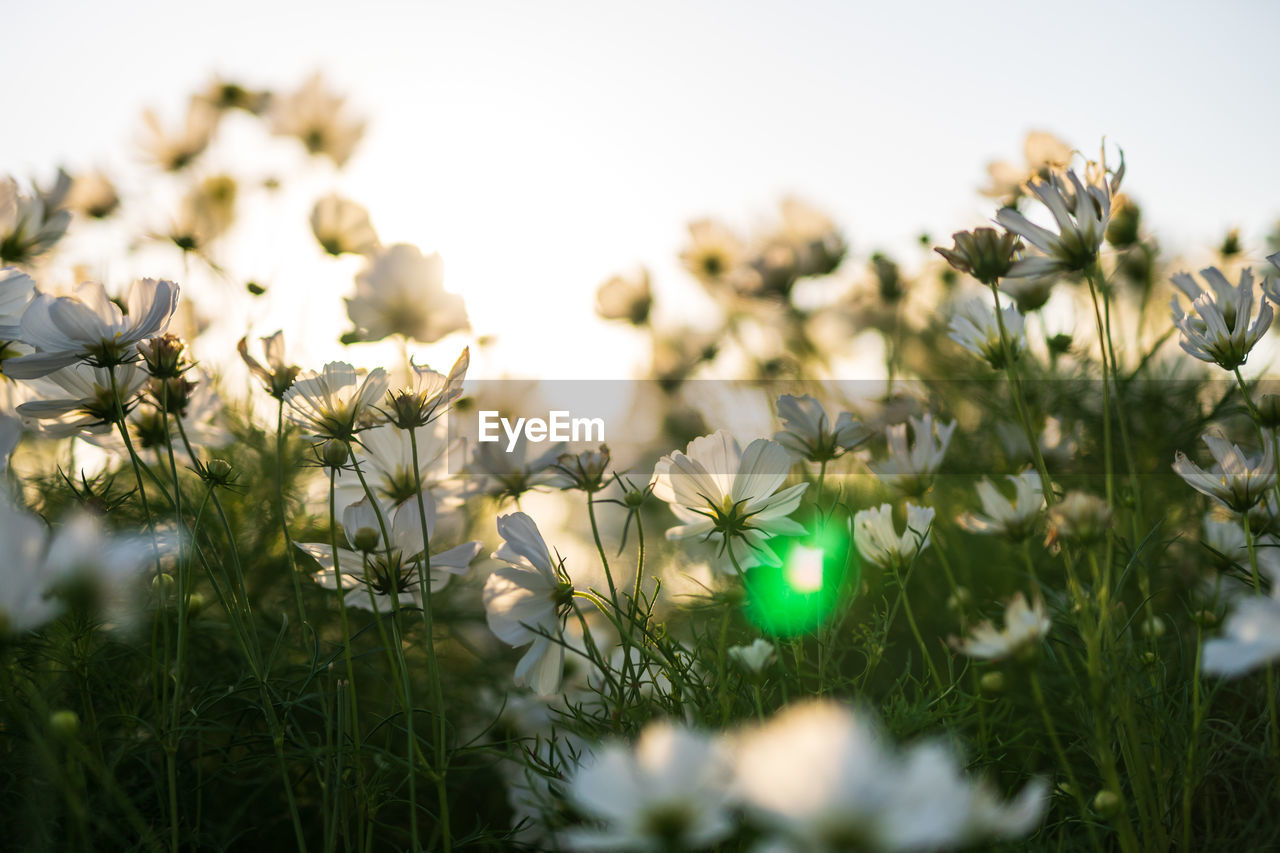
[[1018, 589]]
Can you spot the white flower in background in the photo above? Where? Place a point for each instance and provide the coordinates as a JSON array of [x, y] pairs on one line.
[[755, 658], [25, 602], [1041, 151], [1057, 445], [1225, 537], [342, 227], [1271, 284], [1218, 330], [379, 569], [174, 150], [113, 568], [89, 327], [78, 399], [1251, 637], [336, 402], [1000, 516], [429, 394], [511, 473], [912, 464], [93, 195], [716, 257], [277, 375], [825, 778], [522, 603], [206, 212], [28, 228], [974, 326], [1234, 481], [401, 292], [385, 456], [1079, 517], [878, 540], [626, 298], [1024, 627], [729, 497], [671, 792], [808, 433], [316, 117], [1081, 209], [818, 245]]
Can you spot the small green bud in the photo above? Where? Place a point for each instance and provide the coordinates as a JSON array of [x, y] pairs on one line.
[[1206, 618], [992, 683], [334, 453], [1107, 803], [64, 724], [365, 540]]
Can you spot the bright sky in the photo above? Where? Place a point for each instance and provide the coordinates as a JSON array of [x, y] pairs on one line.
[[541, 147]]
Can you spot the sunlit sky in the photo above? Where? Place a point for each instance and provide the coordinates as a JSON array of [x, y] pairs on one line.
[[541, 147]]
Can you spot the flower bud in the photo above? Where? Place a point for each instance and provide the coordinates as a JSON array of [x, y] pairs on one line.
[[992, 683], [984, 253], [64, 723], [1107, 803], [219, 472], [165, 356], [334, 453], [365, 540]]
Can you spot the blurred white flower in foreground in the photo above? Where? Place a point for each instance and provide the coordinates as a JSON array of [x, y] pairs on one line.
[[671, 792], [89, 327], [826, 779], [1218, 330], [974, 326], [808, 433], [341, 226], [522, 602], [315, 116], [16, 292], [381, 568], [28, 227], [729, 497], [401, 292], [1251, 637], [337, 402], [913, 463], [1000, 516], [878, 540], [1234, 481], [1024, 627]]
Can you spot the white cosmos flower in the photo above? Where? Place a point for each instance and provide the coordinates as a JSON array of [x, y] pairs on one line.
[[974, 327], [1235, 481], [756, 657], [1041, 151], [429, 394], [1225, 537], [385, 456], [671, 792], [511, 473], [729, 497], [878, 540], [1271, 283], [825, 778], [174, 150], [336, 402], [808, 433], [316, 117], [626, 298], [277, 375], [378, 570], [94, 195], [1218, 330], [28, 227], [16, 292], [89, 327], [79, 398], [1081, 210], [342, 226], [1024, 627], [1251, 637], [1013, 519], [401, 292], [718, 258], [912, 465], [522, 603]]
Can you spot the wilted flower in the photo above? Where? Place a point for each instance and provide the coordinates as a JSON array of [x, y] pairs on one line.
[[89, 327], [1042, 151], [337, 402], [878, 540], [827, 779], [672, 792], [316, 117], [1081, 209], [1234, 481], [342, 226], [401, 292], [28, 228], [807, 431], [974, 326], [755, 658], [1218, 330], [523, 601], [729, 497], [1013, 519], [1024, 627], [386, 568], [1079, 517], [626, 298], [276, 376], [912, 465], [174, 151], [79, 398], [983, 253], [429, 394], [1251, 638]]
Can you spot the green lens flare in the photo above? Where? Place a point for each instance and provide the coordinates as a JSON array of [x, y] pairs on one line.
[[797, 597]]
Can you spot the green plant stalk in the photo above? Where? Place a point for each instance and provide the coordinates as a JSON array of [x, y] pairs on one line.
[[1061, 754], [284, 514], [1273, 731]]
